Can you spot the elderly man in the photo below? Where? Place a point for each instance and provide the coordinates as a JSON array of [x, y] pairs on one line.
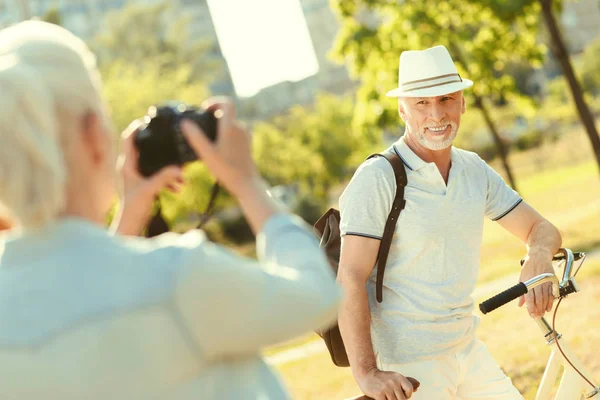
[[425, 327]]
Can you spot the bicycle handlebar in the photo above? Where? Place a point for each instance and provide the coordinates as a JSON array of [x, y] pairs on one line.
[[502, 298], [567, 284], [518, 290]]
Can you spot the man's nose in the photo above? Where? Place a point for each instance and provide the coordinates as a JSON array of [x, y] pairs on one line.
[[436, 112]]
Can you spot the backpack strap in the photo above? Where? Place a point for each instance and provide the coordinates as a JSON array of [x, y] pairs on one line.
[[390, 225]]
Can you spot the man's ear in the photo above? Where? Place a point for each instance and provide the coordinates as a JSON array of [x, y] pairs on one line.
[[401, 109], [463, 107], [94, 137]]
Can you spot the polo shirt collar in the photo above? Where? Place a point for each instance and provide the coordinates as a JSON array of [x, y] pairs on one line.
[[408, 157], [415, 163]]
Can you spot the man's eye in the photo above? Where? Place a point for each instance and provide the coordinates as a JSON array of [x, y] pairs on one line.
[[421, 102]]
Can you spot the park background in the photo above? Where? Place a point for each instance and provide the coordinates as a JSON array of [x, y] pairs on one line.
[[309, 78]]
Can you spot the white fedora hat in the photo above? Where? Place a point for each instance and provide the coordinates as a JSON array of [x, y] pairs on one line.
[[428, 73]]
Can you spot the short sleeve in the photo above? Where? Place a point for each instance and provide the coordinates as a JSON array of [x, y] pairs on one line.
[[500, 198], [367, 200]]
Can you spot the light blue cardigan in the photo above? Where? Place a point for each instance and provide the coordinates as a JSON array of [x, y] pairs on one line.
[[87, 315]]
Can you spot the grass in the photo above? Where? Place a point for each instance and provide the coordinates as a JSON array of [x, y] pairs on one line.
[[562, 182]]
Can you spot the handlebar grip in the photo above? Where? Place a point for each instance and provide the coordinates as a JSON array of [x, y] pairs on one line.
[[502, 298]]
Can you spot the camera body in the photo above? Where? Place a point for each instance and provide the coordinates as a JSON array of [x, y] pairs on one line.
[[159, 139]]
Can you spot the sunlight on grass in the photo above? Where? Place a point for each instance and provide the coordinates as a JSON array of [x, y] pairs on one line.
[[568, 194]]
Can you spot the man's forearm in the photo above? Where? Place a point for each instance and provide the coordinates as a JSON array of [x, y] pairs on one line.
[[543, 240], [355, 326]]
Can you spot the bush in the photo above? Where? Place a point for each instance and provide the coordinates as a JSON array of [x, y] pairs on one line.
[[236, 230], [309, 208], [487, 152], [588, 70], [529, 140]]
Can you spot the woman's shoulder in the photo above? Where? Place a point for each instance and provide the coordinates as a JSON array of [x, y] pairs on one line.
[[168, 252], [169, 241]]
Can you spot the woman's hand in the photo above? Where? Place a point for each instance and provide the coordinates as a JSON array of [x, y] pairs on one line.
[[138, 192], [230, 161], [229, 158]]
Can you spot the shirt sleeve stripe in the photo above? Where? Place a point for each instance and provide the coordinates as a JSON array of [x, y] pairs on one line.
[[362, 234], [508, 211]]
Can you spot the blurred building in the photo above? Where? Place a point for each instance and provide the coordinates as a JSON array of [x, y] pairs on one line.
[[9, 12], [580, 25], [323, 27], [332, 77], [82, 17], [580, 22], [278, 98], [201, 26]]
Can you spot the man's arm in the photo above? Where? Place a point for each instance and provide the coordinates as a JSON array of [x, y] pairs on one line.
[[542, 240], [357, 259]]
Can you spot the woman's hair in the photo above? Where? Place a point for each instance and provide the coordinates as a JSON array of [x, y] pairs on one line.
[[48, 82]]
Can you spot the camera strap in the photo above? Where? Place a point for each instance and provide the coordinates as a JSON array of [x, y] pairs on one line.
[[158, 225]]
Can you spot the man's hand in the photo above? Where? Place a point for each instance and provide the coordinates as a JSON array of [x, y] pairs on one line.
[[540, 299], [384, 385], [542, 240]]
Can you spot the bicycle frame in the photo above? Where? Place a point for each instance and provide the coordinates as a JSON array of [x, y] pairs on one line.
[[572, 386]]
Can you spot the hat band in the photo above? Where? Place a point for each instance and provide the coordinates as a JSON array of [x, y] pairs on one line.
[[430, 82]]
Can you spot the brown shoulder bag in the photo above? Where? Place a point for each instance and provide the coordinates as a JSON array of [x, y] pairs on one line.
[[327, 228]]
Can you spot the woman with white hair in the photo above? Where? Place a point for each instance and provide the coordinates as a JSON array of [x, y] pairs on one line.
[[85, 314]]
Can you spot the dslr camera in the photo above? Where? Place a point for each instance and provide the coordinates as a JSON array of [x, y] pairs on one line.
[[159, 139]]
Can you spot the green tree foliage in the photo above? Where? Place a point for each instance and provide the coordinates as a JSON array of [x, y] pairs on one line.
[[314, 148], [52, 16], [588, 68], [375, 32], [140, 32], [130, 89], [155, 34], [485, 44], [549, 9]]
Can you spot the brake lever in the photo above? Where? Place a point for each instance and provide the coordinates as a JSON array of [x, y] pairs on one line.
[[581, 258], [567, 284]]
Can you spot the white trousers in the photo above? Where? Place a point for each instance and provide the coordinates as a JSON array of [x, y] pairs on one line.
[[471, 373]]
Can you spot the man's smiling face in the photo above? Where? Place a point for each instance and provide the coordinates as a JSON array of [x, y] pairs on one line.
[[433, 122]]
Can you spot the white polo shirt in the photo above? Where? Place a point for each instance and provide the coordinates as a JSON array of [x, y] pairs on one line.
[[434, 257]]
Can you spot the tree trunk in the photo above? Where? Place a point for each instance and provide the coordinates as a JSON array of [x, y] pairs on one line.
[[502, 152], [559, 50]]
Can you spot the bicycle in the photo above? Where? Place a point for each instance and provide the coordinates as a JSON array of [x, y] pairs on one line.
[[575, 381]]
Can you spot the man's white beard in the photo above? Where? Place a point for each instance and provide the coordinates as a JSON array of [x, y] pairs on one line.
[[435, 144]]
